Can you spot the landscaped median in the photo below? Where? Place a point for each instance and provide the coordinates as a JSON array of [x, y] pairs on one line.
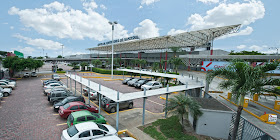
[[170, 128]]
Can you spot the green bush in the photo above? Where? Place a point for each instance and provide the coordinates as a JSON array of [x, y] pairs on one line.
[[76, 67], [60, 69], [103, 71], [60, 72]]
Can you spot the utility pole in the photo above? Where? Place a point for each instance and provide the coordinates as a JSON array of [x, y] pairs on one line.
[[62, 50]]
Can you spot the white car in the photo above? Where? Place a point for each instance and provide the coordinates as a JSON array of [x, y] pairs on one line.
[[52, 85], [5, 91], [26, 74], [10, 82], [92, 95], [56, 88], [1, 95], [56, 77], [151, 85], [88, 130], [6, 85]]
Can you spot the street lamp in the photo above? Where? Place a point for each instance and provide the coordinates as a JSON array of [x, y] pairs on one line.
[[275, 48], [62, 49], [112, 23]]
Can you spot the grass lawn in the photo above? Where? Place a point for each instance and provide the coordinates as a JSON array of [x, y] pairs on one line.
[[164, 129]]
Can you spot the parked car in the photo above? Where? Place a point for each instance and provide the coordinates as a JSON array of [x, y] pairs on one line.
[[88, 130], [6, 85], [52, 85], [131, 82], [5, 91], [84, 116], [141, 82], [57, 88], [110, 105], [151, 85], [68, 100], [34, 74], [53, 81], [26, 74], [47, 81], [1, 95], [56, 77], [12, 82], [67, 109], [59, 96], [126, 80], [93, 94]]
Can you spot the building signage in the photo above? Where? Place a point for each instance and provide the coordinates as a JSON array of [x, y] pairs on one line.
[[211, 65], [119, 40]]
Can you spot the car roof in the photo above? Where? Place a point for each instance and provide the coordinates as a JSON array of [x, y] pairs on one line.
[[86, 126], [76, 103], [81, 113]]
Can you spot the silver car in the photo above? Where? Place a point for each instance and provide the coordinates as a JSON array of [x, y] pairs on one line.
[[151, 85], [5, 91], [6, 85]]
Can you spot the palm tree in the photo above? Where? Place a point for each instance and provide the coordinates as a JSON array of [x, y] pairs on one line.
[[142, 62], [162, 63], [175, 50], [176, 62], [155, 66], [179, 104], [244, 80]]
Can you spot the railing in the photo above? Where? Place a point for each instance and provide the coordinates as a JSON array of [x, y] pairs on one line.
[[248, 131]]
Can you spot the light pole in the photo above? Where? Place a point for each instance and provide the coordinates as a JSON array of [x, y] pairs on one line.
[[43, 52], [112, 23], [62, 49], [275, 48]]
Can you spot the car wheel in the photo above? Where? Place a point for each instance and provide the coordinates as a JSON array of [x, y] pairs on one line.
[[55, 102], [6, 94], [130, 105], [113, 110]]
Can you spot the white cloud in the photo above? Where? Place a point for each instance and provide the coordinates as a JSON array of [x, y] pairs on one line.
[[255, 48], [241, 47], [12, 27], [209, 1], [103, 7], [40, 43], [174, 32], [228, 14], [147, 29], [247, 31], [24, 50], [56, 19], [148, 2]]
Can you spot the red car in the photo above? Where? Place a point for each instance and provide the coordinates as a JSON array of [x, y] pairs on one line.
[[67, 109]]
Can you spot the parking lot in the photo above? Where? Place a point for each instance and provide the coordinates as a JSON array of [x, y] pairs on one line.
[[26, 113]]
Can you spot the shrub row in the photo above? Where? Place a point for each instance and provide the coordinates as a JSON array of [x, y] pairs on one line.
[[60, 72], [103, 71]]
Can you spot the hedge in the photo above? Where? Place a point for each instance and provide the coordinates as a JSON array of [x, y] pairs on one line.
[[60, 72], [103, 71]]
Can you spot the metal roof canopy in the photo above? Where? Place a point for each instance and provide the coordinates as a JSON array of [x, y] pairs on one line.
[[230, 56], [112, 94], [184, 40]]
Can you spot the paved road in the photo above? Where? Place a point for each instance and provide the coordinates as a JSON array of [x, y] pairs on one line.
[[27, 114]]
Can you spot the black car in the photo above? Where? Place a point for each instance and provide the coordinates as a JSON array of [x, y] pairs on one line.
[[141, 82], [126, 80], [68, 100], [110, 105], [58, 96]]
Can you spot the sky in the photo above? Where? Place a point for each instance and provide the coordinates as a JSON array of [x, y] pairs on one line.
[[37, 27]]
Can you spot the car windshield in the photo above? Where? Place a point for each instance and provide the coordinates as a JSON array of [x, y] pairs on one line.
[[72, 131], [134, 80], [141, 81], [149, 84], [102, 127], [127, 79], [66, 106], [96, 115], [64, 101]]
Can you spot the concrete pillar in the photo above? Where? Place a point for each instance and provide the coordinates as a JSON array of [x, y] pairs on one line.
[[70, 82], [118, 108], [256, 97], [166, 104], [81, 85], [88, 91], [75, 85], [67, 82], [99, 101]]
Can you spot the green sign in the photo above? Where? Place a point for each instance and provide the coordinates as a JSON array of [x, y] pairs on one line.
[[19, 54]]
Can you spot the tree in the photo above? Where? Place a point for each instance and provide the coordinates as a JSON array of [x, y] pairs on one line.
[[244, 80], [133, 62], [84, 64], [176, 62], [175, 50], [142, 62], [59, 56], [246, 53], [155, 66], [162, 63], [38, 64], [179, 104]]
